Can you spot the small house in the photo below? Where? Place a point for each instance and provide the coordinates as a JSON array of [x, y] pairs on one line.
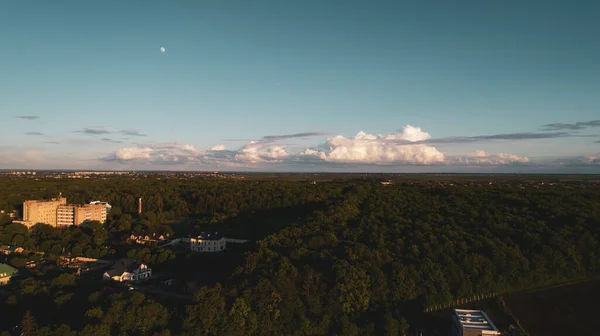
[[126, 270], [9, 249]]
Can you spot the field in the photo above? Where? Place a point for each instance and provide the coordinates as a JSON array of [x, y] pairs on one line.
[[565, 310]]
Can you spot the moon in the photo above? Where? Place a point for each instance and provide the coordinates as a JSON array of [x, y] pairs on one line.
[[162, 49]]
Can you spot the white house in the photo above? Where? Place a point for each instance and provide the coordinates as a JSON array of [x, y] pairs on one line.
[[207, 242], [125, 270]]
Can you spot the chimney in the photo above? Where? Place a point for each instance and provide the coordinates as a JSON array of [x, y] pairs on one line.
[[139, 206]]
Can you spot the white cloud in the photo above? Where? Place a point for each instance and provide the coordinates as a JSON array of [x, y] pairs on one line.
[[133, 153], [480, 157], [409, 133], [162, 153], [256, 152], [218, 148], [378, 149], [405, 147]]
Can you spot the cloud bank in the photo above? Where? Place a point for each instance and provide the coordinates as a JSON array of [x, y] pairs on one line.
[[405, 147], [480, 157], [378, 149], [28, 117]]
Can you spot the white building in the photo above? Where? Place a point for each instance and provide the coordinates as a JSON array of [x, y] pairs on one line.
[[125, 270], [473, 323], [207, 242]]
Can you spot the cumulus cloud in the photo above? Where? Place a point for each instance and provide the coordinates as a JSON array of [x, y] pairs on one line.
[[378, 149], [579, 161], [480, 157], [410, 146], [133, 153], [28, 117], [256, 152], [409, 133], [160, 154]]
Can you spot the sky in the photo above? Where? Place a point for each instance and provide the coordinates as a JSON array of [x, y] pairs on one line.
[[311, 85]]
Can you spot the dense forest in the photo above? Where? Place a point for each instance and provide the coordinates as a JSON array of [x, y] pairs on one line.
[[334, 258]]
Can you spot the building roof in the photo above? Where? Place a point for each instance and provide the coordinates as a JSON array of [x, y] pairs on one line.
[[209, 236], [476, 320], [123, 265], [149, 235], [9, 270]]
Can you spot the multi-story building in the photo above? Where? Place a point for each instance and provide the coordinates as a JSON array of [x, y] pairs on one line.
[[473, 323], [77, 214], [206, 242], [43, 211], [56, 212], [106, 205]]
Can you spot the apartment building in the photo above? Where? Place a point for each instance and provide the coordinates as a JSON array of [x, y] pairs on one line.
[[42, 211], [77, 214], [56, 212]]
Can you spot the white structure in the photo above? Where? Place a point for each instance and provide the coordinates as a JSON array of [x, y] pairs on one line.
[[473, 323], [106, 205], [128, 270], [207, 242]]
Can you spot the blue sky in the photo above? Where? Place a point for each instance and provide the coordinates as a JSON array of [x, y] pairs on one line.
[[100, 93]]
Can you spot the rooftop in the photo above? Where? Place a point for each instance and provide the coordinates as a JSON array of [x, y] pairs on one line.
[[46, 200], [123, 265], [475, 319], [209, 236], [9, 270]]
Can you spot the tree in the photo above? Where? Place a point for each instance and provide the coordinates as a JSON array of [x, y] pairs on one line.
[[392, 327], [63, 280], [207, 315], [18, 262], [403, 327], [238, 318], [28, 325]]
